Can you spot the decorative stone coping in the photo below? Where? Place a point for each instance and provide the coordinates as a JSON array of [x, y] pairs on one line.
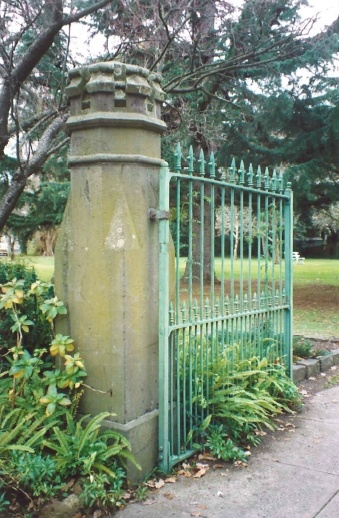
[[114, 87]]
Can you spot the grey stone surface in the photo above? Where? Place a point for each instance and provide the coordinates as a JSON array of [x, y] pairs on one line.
[[326, 362], [64, 509], [312, 367], [293, 473], [299, 373], [335, 356], [331, 509]]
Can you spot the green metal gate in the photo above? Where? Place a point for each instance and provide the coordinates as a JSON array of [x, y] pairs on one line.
[[225, 282]]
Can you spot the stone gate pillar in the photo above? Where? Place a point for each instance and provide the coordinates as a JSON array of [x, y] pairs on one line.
[[107, 249]]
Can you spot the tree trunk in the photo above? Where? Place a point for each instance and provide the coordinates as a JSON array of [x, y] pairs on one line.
[[202, 250], [46, 239]]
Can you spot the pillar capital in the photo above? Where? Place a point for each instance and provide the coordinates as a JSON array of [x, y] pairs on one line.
[[112, 87]]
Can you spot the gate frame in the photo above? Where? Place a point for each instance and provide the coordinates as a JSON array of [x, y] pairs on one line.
[[165, 460]]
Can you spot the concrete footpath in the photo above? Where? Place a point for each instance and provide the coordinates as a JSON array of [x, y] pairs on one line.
[[294, 473]]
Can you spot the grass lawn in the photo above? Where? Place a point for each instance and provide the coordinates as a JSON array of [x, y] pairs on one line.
[[316, 293], [316, 298], [44, 266]]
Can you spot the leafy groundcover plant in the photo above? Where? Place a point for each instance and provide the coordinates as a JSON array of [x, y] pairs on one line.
[[45, 448], [244, 396]]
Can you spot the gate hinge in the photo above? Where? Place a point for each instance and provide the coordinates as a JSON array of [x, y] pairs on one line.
[[156, 214]]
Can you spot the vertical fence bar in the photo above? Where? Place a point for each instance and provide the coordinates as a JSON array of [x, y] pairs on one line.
[[250, 244], [201, 236], [222, 289], [164, 442], [211, 165], [288, 327], [178, 227]]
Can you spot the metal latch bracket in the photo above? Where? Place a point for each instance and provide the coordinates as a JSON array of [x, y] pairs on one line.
[[156, 214]]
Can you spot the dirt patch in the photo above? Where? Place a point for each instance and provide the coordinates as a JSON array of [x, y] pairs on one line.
[[316, 296]]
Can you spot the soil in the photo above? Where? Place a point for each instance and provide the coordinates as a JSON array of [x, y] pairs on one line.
[[326, 299]]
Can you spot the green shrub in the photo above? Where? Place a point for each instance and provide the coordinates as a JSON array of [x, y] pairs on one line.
[[42, 444], [35, 472], [302, 347], [40, 333], [98, 490], [222, 447]]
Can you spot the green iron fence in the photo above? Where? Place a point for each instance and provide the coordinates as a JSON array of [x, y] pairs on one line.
[[225, 281]]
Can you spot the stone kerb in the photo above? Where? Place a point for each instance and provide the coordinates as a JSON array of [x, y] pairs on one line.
[[107, 249], [308, 368]]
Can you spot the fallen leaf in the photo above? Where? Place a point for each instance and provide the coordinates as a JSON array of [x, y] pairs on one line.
[[171, 480], [219, 493], [218, 466], [160, 484], [323, 374], [169, 496], [200, 473], [202, 507], [199, 465], [151, 483], [312, 378], [97, 514], [206, 456], [223, 474], [260, 433], [290, 424], [196, 513], [184, 472]]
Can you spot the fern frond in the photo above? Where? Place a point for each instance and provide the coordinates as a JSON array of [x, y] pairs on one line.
[[91, 427], [63, 439], [19, 447]]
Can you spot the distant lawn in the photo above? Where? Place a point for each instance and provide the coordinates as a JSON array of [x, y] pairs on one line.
[[44, 266], [316, 292], [316, 298]]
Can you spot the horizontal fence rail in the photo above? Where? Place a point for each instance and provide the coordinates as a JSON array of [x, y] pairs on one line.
[[225, 285]]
